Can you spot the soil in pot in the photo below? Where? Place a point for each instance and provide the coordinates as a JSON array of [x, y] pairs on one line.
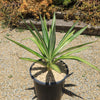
[[41, 73]]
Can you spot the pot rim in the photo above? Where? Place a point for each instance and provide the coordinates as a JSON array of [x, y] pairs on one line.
[[51, 83]]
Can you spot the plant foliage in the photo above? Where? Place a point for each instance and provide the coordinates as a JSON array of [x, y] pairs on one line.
[[46, 44], [87, 11], [11, 10]]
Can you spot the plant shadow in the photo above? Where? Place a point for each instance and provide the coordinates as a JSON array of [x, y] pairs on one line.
[[70, 93], [39, 71]]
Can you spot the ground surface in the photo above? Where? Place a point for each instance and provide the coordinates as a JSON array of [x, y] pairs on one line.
[[15, 81]]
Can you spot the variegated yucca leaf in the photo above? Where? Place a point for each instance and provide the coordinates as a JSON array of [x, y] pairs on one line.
[[55, 67], [44, 31], [52, 39], [26, 48], [81, 60], [74, 47]]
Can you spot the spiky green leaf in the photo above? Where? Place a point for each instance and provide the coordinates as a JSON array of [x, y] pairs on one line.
[[37, 32], [65, 37], [39, 45], [28, 59], [52, 40], [26, 48], [71, 38], [44, 31], [55, 67], [74, 47], [75, 51], [82, 60], [42, 42], [32, 60], [71, 52], [63, 43], [67, 34]]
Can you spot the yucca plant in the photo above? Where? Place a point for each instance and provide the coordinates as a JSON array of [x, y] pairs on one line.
[[46, 44]]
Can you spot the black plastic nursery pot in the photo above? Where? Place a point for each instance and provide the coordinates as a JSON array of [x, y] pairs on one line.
[[48, 91]]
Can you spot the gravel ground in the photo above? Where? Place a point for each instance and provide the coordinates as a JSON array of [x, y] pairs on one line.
[[15, 81]]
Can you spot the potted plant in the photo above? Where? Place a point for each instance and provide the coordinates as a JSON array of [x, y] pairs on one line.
[[50, 56]]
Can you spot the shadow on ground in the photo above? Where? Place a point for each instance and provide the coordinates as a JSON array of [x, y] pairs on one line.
[[64, 90]]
